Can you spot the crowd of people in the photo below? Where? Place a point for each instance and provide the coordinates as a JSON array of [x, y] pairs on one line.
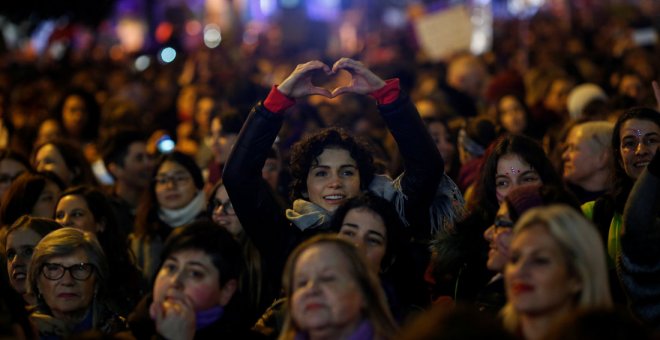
[[234, 195]]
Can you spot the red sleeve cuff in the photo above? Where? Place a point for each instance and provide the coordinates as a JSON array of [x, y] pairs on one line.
[[277, 102], [388, 93]]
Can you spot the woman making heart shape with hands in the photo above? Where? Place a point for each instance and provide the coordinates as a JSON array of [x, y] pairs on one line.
[[331, 166]]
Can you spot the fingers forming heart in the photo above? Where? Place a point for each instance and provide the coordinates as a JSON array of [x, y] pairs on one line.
[[334, 82]]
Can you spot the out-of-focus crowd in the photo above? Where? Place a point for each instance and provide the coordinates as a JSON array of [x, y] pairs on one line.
[[267, 192]]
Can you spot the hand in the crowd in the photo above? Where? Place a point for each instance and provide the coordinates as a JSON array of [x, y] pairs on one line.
[[656, 92], [363, 80], [174, 317], [299, 83]]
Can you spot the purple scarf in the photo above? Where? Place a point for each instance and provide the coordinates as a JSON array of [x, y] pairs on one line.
[[363, 332], [206, 317]]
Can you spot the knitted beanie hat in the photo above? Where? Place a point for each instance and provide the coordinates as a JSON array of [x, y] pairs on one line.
[[523, 198]]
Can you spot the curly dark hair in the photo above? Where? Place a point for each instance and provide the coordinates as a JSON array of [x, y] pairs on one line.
[[305, 153]]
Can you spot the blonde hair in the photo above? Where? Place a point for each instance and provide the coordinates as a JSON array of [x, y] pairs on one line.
[[376, 311], [583, 250]]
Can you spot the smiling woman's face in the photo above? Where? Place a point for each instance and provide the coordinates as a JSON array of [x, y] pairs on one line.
[[332, 179], [639, 142]]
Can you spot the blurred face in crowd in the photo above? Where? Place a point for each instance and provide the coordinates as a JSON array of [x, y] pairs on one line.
[[537, 277], [175, 187], [581, 161], [9, 171], [19, 249], [137, 167], [224, 214], [73, 211], [499, 237], [557, 96], [73, 292], [220, 142], [325, 298], [512, 115], [49, 158], [367, 230], [513, 171], [640, 140], [271, 172], [442, 140], [189, 277], [332, 179], [45, 205], [74, 115], [631, 86], [49, 131]]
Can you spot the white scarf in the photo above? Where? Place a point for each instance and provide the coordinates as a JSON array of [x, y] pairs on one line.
[[178, 217]]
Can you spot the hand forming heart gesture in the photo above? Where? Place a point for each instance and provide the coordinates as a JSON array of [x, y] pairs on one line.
[[299, 83]]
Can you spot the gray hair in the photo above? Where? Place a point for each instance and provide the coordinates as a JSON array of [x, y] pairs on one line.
[[598, 135], [63, 242]]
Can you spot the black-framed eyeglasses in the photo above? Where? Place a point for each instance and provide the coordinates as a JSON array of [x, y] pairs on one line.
[[227, 207], [55, 271]]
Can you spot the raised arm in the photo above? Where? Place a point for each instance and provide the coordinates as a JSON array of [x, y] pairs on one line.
[[424, 166], [256, 206]]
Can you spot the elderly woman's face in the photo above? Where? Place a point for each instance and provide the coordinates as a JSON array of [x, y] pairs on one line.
[[175, 187], [581, 160], [49, 158], [332, 179], [513, 171], [73, 211], [189, 278], [72, 292], [537, 278], [19, 249], [326, 296]]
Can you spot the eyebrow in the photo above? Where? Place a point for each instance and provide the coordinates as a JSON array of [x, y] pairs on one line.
[[355, 226], [314, 166], [197, 263], [172, 173]]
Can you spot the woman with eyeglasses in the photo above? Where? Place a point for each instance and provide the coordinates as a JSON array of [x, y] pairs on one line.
[[174, 198], [68, 276], [87, 208]]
